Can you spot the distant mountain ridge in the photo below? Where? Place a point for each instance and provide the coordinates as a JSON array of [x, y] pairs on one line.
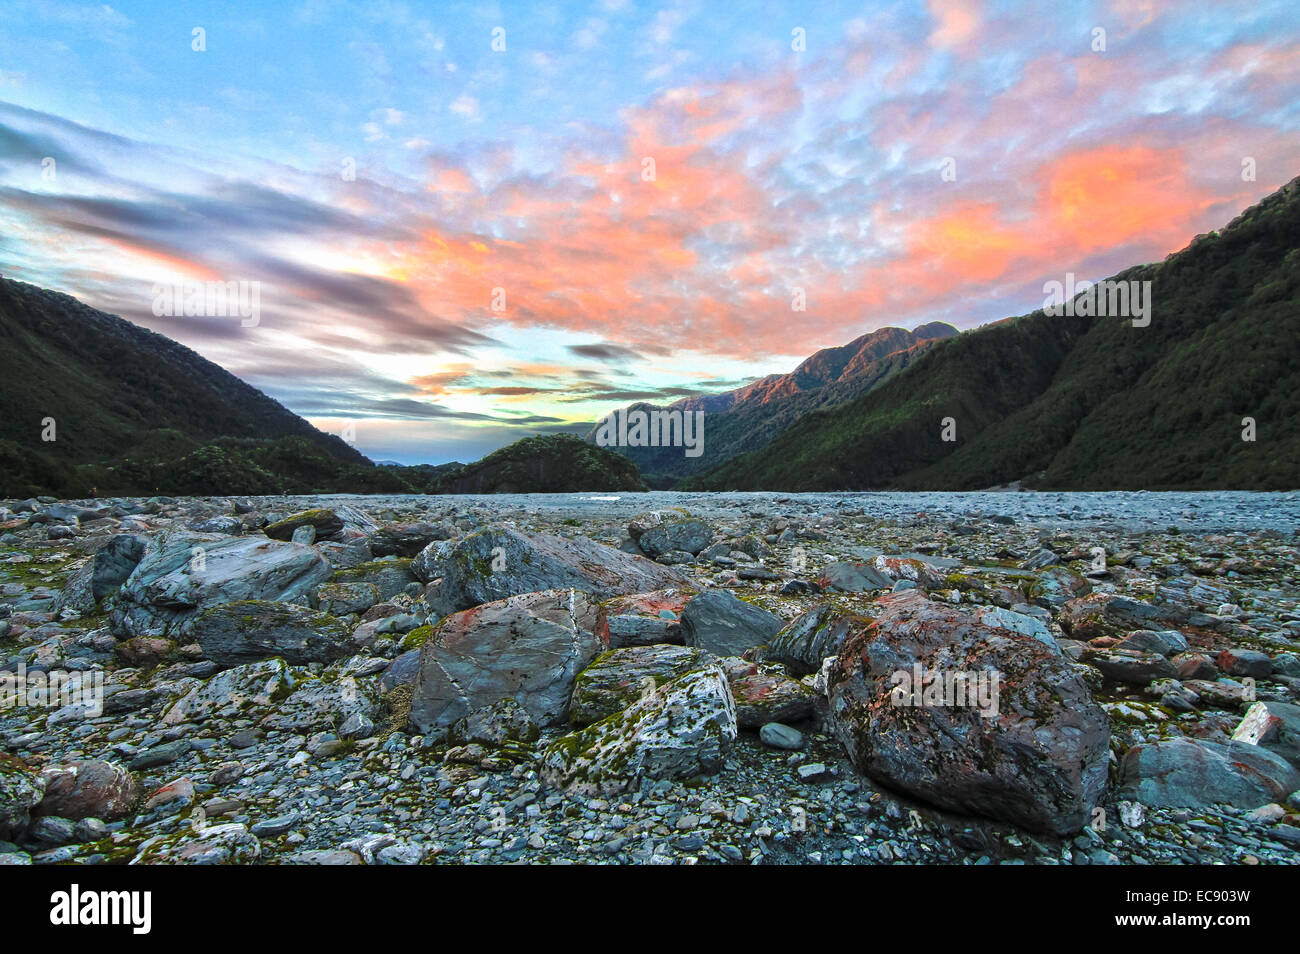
[[746, 418], [137, 413], [1085, 403], [550, 463]]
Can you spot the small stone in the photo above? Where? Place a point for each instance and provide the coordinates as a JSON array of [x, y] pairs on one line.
[[780, 736]]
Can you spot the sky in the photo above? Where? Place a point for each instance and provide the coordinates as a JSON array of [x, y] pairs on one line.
[[471, 223]]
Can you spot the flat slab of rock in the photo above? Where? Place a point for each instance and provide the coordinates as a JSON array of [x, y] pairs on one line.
[[181, 573], [233, 692], [1037, 756], [323, 704], [495, 564], [765, 693], [1193, 773], [878, 573], [1131, 666], [529, 648], [327, 524], [720, 622], [408, 539], [232, 634]]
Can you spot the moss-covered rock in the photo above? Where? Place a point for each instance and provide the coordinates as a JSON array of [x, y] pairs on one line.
[[21, 790], [680, 730], [619, 677], [327, 524]]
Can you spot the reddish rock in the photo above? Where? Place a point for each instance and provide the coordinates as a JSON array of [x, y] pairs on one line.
[[1037, 756], [143, 652], [766, 693], [88, 789], [642, 619]]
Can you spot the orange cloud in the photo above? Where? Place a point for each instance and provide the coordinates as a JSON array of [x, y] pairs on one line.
[[969, 242], [1106, 196], [194, 270]]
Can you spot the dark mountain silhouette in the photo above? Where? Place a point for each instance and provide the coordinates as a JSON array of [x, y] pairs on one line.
[[133, 411], [749, 417]]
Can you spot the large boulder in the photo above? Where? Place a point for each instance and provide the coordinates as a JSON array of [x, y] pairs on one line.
[[89, 788], [102, 575], [680, 730], [811, 637], [1194, 773], [1001, 725], [182, 572], [721, 623], [529, 648], [496, 564], [619, 677], [21, 790], [232, 634]]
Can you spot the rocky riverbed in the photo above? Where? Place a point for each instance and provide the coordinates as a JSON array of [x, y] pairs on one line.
[[984, 678]]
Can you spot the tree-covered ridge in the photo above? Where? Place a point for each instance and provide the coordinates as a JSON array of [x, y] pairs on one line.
[[1086, 403]]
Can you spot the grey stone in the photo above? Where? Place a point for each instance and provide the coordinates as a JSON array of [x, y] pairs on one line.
[[780, 736], [1196, 773], [245, 631], [725, 625], [529, 648]]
